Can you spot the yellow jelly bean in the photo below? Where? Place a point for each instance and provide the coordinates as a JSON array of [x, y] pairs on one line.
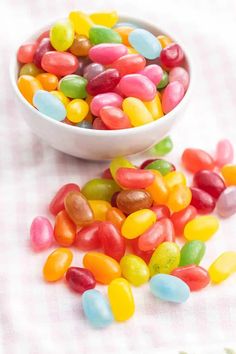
[[158, 189], [117, 163], [108, 19], [137, 223], [121, 299], [155, 107], [81, 22], [57, 264], [179, 198], [134, 269], [174, 178], [28, 85], [77, 110], [132, 50], [229, 174], [60, 95], [201, 228], [136, 111], [165, 258], [164, 40], [100, 209], [223, 267], [62, 35]]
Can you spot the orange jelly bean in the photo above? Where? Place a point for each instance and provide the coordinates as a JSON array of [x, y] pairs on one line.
[[48, 81], [28, 85], [116, 217], [100, 209], [179, 198], [64, 230], [57, 264], [229, 174], [124, 32], [104, 268], [158, 189]]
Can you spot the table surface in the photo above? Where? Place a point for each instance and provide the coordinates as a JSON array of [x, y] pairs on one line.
[[39, 318]]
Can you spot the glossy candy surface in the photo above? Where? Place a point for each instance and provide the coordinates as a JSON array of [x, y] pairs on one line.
[[26, 52], [80, 46], [59, 63], [129, 64], [41, 233], [117, 163], [49, 105], [124, 32], [192, 253], [112, 242], [57, 203], [43, 47], [28, 86], [155, 108], [91, 70], [163, 147], [78, 208], [161, 165], [165, 258], [181, 218], [133, 178], [107, 53], [116, 217], [194, 276], [73, 86], [105, 18], [158, 189], [223, 267], [172, 95], [87, 238], [153, 72], [80, 279], [179, 198], [62, 35], [100, 188], [103, 82], [195, 160], [136, 111], [164, 40], [48, 81], [181, 75], [201, 228], [174, 178], [134, 269], [164, 81], [152, 238], [139, 86], [229, 174], [100, 209], [226, 204], [81, 22], [110, 99], [101, 34], [137, 223], [130, 201], [172, 56], [224, 153], [145, 43], [161, 211], [77, 110], [202, 201], [209, 182], [145, 255], [114, 118], [64, 229], [57, 264], [30, 69]]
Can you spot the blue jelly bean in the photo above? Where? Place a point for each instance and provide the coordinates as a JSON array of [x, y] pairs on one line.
[[125, 24], [85, 124], [96, 308], [145, 43], [49, 105], [169, 288]]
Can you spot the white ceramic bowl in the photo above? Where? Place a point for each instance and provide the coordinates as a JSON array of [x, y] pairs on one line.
[[98, 144]]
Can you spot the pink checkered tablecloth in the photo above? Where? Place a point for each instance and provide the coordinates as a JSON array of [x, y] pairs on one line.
[[40, 318]]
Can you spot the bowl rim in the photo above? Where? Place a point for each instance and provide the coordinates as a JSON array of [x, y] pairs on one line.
[[107, 133]]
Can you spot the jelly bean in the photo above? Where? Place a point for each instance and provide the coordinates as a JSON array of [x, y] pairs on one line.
[[104, 82], [192, 253], [194, 276], [134, 269], [100, 209], [209, 182], [101, 34], [174, 178], [30, 69], [107, 174], [83, 63], [26, 52], [223, 267], [145, 255], [114, 198], [103, 267], [179, 198], [80, 279], [65, 100], [181, 75], [43, 35], [116, 217], [152, 238], [169, 288], [108, 19], [124, 32], [137, 85], [129, 64], [168, 229], [158, 189], [181, 218], [62, 35], [68, 122], [164, 81], [105, 99], [49, 105], [99, 125], [96, 309], [130, 201], [87, 238], [64, 229], [114, 118], [41, 233], [163, 147], [164, 40], [121, 299], [136, 111], [201, 228], [145, 43], [134, 178], [146, 162], [85, 125], [195, 160], [59, 63], [226, 204], [224, 153], [172, 95], [154, 107], [117, 163], [100, 188], [107, 53], [111, 240], [172, 56], [57, 264], [77, 110], [73, 86], [48, 81], [57, 203], [28, 86], [229, 174], [153, 72], [78, 208], [137, 223], [80, 46], [92, 70], [43, 47], [161, 211], [163, 166], [202, 201], [165, 258], [81, 22]]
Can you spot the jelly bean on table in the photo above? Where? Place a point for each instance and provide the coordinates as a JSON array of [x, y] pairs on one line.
[[41, 233], [137, 223], [201, 228], [134, 269], [209, 182], [202, 201], [223, 267], [87, 238], [194, 276], [57, 264], [224, 153], [163, 147], [192, 253], [112, 242], [226, 204], [78, 208], [64, 229], [80, 279], [57, 203], [195, 160], [165, 258]]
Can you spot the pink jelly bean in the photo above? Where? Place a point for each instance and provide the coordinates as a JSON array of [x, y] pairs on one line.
[[98, 124], [105, 99], [41, 233], [153, 72], [26, 52], [224, 153], [181, 75], [172, 95], [139, 86], [107, 53]]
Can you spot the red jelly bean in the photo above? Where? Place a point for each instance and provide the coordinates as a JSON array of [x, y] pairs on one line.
[[168, 230], [104, 82], [181, 218], [152, 238], [133, 178], [129, 64], [80, 279], [43, 35], [107, 174], [202, 201], [209, 182], [161, 211], [57, 203], [98, 124], [194, 276], [114, 118], [26, 52], [172, 56], [43, 47], [112, 241], [195, 160], [145, 255], [87, 238], [59, 63]]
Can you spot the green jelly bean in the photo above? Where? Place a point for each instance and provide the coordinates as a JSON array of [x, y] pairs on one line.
[[192, 253], [162, 166], [102, 34], [165, 258], [100, 188], [73, 86], [164, 81], [163, 147], [30, 69]]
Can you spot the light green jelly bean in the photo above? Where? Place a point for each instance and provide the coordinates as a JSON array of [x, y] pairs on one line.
[[165, 258], [62, 35], [100, 189], [161, 165], [163, 147], [192, 252], [134, 269], [30, 69], [102, 34], [164, 81], [73, 86]]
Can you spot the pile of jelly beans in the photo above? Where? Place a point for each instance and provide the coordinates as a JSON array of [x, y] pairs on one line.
[[130, 224], [95, 72]]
